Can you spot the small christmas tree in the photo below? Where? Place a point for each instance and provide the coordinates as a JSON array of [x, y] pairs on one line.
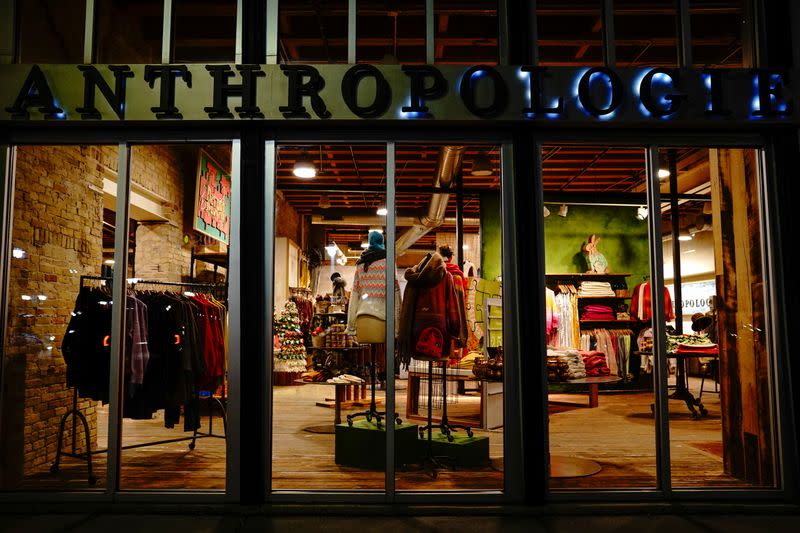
[[290, 352]]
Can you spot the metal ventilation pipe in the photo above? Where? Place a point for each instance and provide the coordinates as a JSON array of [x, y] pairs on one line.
[[449, 163]]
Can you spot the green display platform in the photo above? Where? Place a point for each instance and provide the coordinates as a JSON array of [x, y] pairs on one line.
[[465, 451], [364, 445]]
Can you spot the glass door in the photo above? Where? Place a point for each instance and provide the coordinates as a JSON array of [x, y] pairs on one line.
[[388, 329]]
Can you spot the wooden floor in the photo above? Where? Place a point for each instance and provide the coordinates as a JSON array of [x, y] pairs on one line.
[[619, 435]]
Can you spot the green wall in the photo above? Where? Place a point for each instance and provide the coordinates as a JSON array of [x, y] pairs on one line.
[[491, 236], [623, 240]]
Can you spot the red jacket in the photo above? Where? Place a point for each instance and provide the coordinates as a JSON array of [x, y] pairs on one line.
[[431, 317]]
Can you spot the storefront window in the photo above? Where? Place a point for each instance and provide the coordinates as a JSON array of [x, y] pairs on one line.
[[51, 31], [174, 408], [312, 31], [602, 432], [720, 412], [204, 31], [465, 32], [449, 351], [569, 33], [646, 33], [56, 350], [390, 32], [718, 28], [128, 31], [330, 203]]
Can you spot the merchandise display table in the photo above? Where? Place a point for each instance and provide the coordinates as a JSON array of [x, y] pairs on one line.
[[594, 386], [343, 392], [682, 392]]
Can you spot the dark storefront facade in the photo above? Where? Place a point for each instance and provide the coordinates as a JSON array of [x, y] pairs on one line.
[[587, 209]]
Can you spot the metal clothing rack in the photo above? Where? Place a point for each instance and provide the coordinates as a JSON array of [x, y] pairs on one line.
[[78, 415], [373, 412], [434, 462]]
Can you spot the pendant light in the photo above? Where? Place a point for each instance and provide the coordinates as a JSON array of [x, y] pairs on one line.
[[304, 166], [481, 165]]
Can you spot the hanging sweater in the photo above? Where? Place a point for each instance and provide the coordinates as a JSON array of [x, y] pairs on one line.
[[368, 296], [641, 305]]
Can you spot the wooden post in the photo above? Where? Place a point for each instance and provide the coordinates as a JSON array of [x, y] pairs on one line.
[[741, 321]]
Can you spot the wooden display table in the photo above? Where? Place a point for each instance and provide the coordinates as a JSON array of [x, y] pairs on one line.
[[594, 386]]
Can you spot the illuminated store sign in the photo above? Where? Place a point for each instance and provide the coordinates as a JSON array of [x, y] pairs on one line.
[[407, 92]]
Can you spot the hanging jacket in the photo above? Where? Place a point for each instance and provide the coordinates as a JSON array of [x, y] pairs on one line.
[[460, 285], [641, 306], [431, 317]]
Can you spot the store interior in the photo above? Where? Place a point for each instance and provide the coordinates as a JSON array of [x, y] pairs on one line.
[[600, 318], [329, 328]]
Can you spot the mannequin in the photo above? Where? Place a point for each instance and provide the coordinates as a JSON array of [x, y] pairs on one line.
[[366, 317]]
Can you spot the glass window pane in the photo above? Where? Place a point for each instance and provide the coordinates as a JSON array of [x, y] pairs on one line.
[[128, 31], [330, 320], [51, 31], [56, 354], [717, 32], [720, 427], [204, 31], [175, 365], [645, 33], [450, 276], [569, 33], [465, 32], [390, 32], [312, 31], [598, 318]]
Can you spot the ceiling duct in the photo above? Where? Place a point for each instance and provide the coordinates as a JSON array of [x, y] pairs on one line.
[[449, 163]]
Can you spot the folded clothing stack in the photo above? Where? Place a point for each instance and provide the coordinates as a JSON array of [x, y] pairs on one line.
[[596, 288], [598, 312], [566, 364], [595, 364]]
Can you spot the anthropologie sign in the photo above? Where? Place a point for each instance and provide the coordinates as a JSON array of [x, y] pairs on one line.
[[167, 92], [212, 208]]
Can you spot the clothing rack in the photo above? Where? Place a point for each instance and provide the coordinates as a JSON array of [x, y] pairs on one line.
[[373, 412], [434, 462], [78, 415]]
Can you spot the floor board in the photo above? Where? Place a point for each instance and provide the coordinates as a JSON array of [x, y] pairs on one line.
[[619, 435]]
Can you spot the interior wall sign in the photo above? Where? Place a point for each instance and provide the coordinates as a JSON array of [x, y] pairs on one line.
[[566, 96]]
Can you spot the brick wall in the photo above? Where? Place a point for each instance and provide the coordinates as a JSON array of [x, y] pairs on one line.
[[58, 223]]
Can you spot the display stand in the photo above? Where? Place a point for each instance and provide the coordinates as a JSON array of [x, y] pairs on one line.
[[372, 411], [76, 414], [439, 462]]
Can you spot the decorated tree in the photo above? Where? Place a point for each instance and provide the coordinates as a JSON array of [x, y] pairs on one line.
[[290, 351]]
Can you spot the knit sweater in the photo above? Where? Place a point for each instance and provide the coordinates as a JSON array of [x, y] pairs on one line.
[[368, 296]]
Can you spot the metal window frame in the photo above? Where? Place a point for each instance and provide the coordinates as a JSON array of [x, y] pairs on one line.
[[352, 11], [166, 32], [609, 39], [512, 479], [777, 330], [88, 33], [272, 36]]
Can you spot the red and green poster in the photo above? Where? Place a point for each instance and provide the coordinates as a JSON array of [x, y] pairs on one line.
[[212, 208]]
